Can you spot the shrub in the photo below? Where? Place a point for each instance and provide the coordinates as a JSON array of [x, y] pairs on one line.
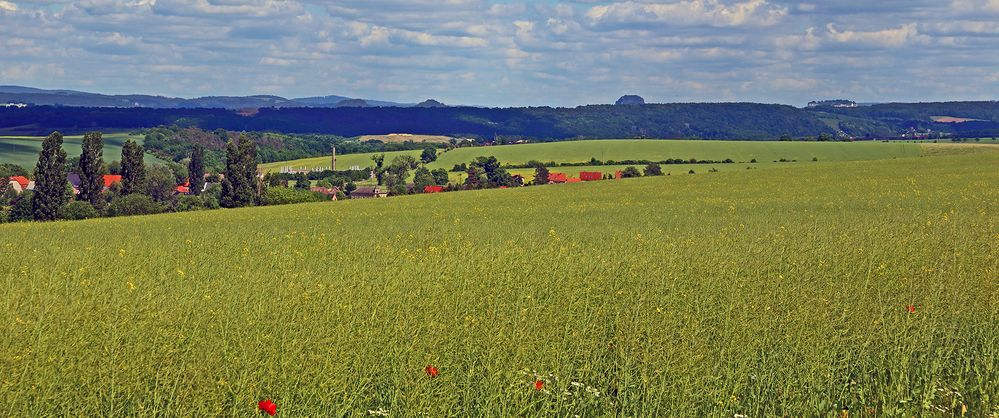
[[134, 204], [187, 203], [653, 169], [286, 196], [690, 172], [77, 210], [630, 171], [21, 208]]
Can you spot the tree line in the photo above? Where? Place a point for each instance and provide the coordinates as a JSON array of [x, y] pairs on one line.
[[141, 189]]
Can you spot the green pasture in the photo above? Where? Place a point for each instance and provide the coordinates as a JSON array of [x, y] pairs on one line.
[[23, 150]]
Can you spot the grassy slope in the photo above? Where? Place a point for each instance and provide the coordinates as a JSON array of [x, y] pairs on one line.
[[23, 150], [581, 151], [764, 293]]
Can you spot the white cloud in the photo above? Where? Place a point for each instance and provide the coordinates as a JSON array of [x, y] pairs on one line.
[[8, 6], [690, 12], [894, 37]]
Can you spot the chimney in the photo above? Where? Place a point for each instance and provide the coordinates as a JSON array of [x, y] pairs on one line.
[[334, 159]]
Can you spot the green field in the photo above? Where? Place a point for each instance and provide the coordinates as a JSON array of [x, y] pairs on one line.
[[654, 150], [23, 150], [777, 292]]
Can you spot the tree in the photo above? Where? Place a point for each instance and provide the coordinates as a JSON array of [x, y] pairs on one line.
[[302, 181], [824, 137], [440, 177], [495, 175], [196, 170], [429, 155], [379, 160], [239, 187], [630, 171], [133, 169], [50, 180], [423, 178], [160, 183], [397, 173], [653, 169], [785, 137], [540, 172], [91, 168]]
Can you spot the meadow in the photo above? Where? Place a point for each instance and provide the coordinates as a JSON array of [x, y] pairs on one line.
[[635, 149], [800, 290], [23, 150]]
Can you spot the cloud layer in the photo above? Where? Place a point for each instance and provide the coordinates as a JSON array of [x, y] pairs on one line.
[[501, 53]]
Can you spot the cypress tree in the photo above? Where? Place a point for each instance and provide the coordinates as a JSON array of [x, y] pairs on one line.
[[196, 170], [50, 180], [239, 187], [91, 163], [133, 170]]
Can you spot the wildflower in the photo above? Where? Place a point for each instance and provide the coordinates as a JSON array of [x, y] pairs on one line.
[[431, 371], [378, 412], [267, 406], [911, 309], [538, 385]]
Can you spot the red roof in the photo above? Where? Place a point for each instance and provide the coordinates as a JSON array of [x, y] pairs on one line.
[[183, 189], [618, 174], [23, 181], [110, 179], [572, 180], [557, 178], [504, 187], [433, 189], [590, 175]]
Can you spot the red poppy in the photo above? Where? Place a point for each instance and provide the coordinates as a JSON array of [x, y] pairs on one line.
[[538, 385], [431, 371], [911, 309], [267, 406]]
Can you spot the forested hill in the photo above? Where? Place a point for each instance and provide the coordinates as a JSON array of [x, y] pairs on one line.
[[682, 120], [707, 120]]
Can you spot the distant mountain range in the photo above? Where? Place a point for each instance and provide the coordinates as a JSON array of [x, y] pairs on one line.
[[72, 98]]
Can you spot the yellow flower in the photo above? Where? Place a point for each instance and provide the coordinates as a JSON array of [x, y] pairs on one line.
[[180, 272]]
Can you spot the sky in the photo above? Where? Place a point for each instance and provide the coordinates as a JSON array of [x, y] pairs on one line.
[[509, 53]]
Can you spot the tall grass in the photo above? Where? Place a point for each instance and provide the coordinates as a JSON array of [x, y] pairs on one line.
[[782, 292]]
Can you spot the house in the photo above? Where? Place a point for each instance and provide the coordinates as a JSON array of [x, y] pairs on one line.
[[368, 193], [618, 175], [572, 180], [20, 183], [557, 178], [110, 179], [184, 188], [433, 189], [330, 192], [591, 175]]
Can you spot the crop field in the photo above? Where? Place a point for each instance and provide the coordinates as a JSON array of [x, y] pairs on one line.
[[622, 149], [800, 290], [23, 150]]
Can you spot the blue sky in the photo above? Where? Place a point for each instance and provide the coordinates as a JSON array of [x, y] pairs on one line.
[[509, 53]]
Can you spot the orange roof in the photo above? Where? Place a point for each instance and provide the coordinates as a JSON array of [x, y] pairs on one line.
[[572, 180], [183, 189], [557, 177], [433, 189], [23, 181], [110, 179]]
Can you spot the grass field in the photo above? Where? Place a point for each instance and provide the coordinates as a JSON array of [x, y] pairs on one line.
[[778, 292], [390, 138], [23, 150], [582, 151]]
